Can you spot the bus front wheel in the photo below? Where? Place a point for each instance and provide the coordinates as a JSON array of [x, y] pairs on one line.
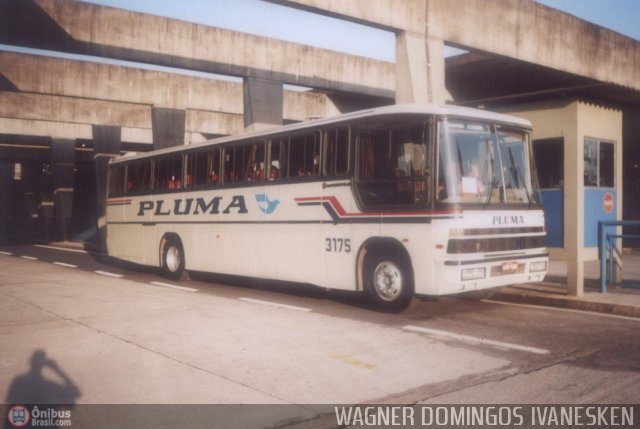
[[388, 282], [172, 258]]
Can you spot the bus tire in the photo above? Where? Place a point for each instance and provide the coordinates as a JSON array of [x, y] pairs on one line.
[[388, 281], [172, 258]]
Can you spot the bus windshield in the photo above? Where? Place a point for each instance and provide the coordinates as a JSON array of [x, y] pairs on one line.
[[484, 164]]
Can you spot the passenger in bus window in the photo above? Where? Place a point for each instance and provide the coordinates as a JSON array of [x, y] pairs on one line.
[[471, 183], [175, 183], [274, 173]]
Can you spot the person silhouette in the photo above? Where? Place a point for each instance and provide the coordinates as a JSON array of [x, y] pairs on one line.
[[33, 388]]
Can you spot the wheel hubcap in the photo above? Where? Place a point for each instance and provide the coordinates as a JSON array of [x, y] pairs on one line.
[[173, 259], [387, 280]]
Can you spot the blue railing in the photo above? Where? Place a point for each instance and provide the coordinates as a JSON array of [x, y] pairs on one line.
[[608, 250]]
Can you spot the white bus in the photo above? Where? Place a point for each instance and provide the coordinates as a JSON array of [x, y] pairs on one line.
[[394, 201]]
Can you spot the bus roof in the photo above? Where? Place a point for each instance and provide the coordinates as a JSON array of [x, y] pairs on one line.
[[397, 109]]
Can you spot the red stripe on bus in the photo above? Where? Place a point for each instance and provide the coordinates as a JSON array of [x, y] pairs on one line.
[[118, 202], [343, 213]]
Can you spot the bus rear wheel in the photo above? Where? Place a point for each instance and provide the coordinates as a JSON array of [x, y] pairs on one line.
[[172, 258], [388, 282]]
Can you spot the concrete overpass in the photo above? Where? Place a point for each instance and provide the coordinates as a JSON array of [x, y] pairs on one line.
[[64, 112]]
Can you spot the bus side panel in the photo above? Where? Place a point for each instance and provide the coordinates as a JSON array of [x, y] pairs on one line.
[[199, 246], [125, 235], [196, 227], [259, 232], [116, 244], [417, 239], [338, 242], [138, 230], [288, 241]]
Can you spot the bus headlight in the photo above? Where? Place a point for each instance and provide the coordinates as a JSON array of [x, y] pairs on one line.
[[538, 266], [473, 273]]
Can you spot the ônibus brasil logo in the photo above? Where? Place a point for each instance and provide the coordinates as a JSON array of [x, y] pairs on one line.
[[19, 416]]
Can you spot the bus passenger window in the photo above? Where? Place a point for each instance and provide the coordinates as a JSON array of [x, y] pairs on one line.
[[213, 167], [202, 168], [304, 156], [138, 176], [276, 159], [229, 161], [393, 166], [336, 151], [168, 173], [132, 179], [254, 166], [116, 180]]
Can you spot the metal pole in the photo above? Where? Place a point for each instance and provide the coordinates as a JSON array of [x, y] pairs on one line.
[[603, 257], [611, 242]]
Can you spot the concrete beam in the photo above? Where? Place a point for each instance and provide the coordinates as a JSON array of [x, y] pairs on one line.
[[391, 15], [67, 88], [531, 32], [72, 26], [31, 127], [213, 123], [69, 117], [53, 108], [521, 29], [73, 78]]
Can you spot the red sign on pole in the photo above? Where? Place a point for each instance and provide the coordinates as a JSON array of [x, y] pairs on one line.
[[607, 202]]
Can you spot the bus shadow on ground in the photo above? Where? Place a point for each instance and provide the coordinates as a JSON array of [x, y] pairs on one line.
[[351, 299], [110, 261], [301, 290]]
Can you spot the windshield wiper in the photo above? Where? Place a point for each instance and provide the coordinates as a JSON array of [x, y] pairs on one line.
[[489, 166], [517, 176]]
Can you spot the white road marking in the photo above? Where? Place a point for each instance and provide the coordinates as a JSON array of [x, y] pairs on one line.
[[188, 289], [274, 304], [475, 340], [6, 253], [105, 273], [61, 248], [31, 258], [566, 310], [62, 264]]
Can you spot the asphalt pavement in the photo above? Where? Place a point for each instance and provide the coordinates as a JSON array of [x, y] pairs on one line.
[[77, 331], [621, 299]]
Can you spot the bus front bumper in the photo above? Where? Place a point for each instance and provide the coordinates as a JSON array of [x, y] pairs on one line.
[[461, 275]]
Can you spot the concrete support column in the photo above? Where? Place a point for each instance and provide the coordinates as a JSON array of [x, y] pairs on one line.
[[106, 144], [263, 104], [26, 205], [411, 68], [6, 192], [419, 69], [168, 126], [62, 164], [574, 209]]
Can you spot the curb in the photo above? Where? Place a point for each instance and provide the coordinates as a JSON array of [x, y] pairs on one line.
[[547, 300]]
